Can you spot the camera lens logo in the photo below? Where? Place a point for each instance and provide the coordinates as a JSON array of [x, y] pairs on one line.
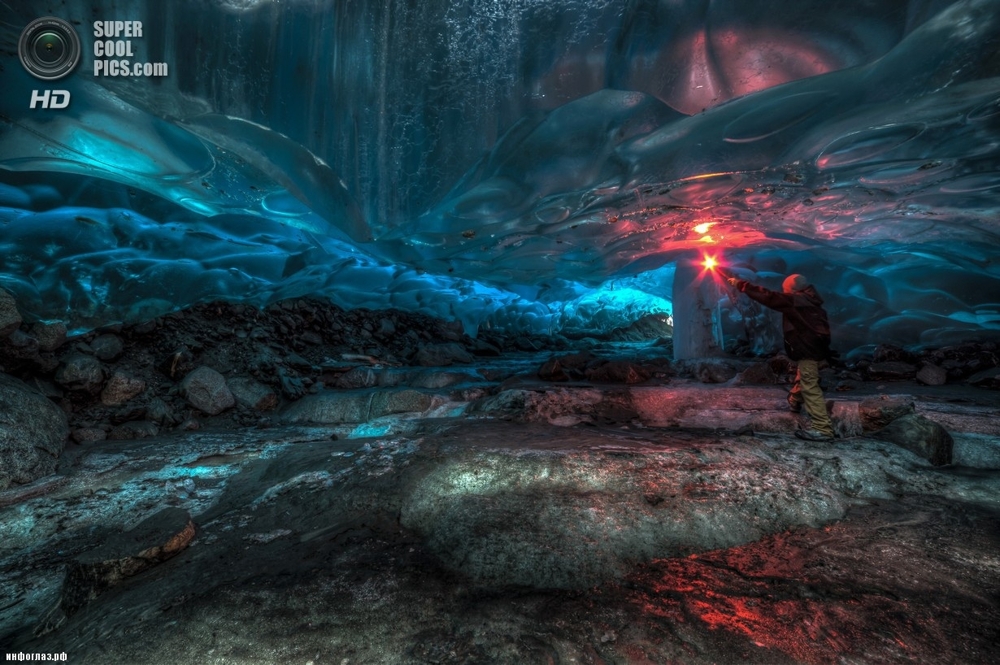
[[49, 48]]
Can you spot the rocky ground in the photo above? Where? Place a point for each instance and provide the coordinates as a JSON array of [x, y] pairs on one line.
[[307, 485]]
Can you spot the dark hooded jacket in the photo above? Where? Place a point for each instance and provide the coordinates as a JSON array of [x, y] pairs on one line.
[[803, 319]]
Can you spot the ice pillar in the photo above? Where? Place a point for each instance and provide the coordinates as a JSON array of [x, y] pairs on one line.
[[696, 314]]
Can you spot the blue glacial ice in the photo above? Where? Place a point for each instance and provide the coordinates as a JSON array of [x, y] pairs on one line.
[[530, 165]]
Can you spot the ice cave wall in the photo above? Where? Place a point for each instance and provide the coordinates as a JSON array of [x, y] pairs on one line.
[[498, 162]]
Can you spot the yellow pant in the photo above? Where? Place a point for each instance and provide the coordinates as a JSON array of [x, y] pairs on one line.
[[807, 391]]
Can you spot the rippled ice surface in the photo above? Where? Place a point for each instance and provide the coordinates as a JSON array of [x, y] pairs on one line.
[[491, 177]]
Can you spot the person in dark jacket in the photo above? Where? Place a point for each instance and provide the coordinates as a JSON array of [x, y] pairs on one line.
[[806, 329]]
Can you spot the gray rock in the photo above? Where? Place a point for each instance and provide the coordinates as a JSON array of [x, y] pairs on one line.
[[386, 402], [358, 377], [891, 353], [50, 336], [136, 429], [25, 343], [556, 405], [981, 451], [921, 436], [79, 371], [120, 388], [877, 412], [252, 394], [206, 390], [442, 355], [85, 435], [330, 408], [160, 412], [107, 347], [893, 370], [296, 361], [757, 374], [309, 337], [292, 387], [433, 380], [33, 432], [932, 375], [988, 378], [709, 370], [386, 327], [552, 370], [619, 371], [10, 318], [334, 407], [393, 378], [483, 348]]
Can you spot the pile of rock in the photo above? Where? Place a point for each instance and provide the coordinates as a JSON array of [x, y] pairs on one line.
[[976, 363], [227, 364], [585, 366]]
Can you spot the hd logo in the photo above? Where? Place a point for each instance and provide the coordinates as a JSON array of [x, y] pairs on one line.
[[49, 49], [49, 99]]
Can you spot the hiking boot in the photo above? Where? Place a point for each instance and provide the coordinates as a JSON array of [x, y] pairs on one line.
[[794, 405], [813, 435]]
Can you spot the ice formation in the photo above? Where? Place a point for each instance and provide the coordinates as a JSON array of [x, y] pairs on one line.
[[537, 165]]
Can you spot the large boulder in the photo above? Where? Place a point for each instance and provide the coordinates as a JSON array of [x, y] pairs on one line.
[[33, 432], [877, 412], [10, 318], [921, 436], [206, 390]]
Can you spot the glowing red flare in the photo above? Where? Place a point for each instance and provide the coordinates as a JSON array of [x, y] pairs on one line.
[[710, 263]]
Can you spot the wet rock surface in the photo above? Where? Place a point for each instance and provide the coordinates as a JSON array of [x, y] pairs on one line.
[[534, 503], [921, 436], [496, 542], [33, 432], [158, 538]]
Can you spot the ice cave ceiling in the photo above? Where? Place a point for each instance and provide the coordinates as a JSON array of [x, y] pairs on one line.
[[537, 164]]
